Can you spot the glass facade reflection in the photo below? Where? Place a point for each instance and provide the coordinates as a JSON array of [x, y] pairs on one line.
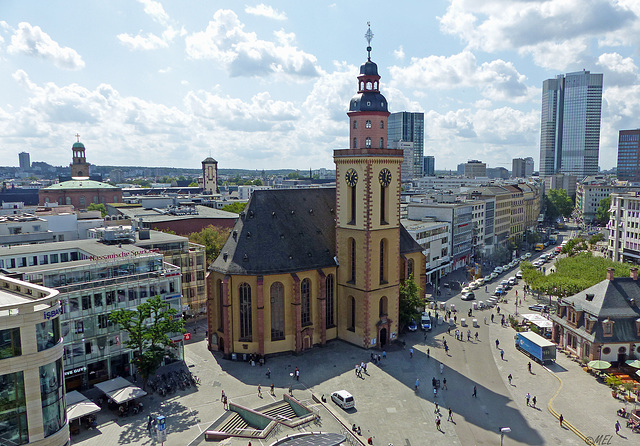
[[629, 155], [48, 334], [54, 414], [10, 343], [570, 124], [13, 410]]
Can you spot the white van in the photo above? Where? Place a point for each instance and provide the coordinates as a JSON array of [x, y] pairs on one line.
[[343, 399]]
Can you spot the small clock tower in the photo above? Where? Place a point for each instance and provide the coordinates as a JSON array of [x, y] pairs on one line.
[[368, 218], [209, 176]]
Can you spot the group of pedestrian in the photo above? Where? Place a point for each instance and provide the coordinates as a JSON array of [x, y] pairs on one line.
[[529, 400], [361, 368]]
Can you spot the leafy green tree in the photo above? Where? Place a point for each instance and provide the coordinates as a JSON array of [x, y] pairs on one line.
[[213, 239], [257, 182], [602, 213], [572, 274], [596, 238], [294, 176], [98, 207], [411, 301], [533, 237], [150, 327], [140, 182], [236, 207], [558, 204], [193, 184]]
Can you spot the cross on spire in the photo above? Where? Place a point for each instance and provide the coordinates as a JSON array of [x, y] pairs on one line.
[[368, 36], [78, 136]]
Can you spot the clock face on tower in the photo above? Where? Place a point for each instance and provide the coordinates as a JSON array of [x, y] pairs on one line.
[[351, 177], [384, 177]]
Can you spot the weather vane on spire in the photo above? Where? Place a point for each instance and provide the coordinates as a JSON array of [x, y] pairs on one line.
[[368, 36]]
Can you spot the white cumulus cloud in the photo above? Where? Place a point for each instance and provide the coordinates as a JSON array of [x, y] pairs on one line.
[[33, 41], [265, 11], [244, 54]]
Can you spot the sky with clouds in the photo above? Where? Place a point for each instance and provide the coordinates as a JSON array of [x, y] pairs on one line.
[[267, 85]]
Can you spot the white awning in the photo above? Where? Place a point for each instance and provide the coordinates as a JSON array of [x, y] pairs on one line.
[[120, 390], [538, 320], [79, 405]]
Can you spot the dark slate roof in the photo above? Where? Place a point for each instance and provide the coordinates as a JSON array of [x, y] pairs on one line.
[[368, 101], [282, 231], [611, 298], [369, 68], [287, 230]]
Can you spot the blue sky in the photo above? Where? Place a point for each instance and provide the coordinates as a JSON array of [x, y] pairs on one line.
[[267, 85]]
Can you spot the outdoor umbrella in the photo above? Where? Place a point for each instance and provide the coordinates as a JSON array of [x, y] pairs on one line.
[[599, 365], [635, 363], [638, 372]]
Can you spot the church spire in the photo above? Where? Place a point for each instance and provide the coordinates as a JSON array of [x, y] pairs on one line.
[[368, 36]]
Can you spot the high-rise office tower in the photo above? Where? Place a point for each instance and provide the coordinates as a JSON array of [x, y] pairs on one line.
[[570, 124], [409, 127], [629, 155], [24, 160], [522, 167], [429, 166]]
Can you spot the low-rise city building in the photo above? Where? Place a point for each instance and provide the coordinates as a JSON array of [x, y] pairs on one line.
[[601, 322], [93, 280]]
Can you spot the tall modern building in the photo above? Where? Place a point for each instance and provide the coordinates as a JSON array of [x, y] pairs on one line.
[[409, 127], [570, 124], [522, 167], [475, 169], [24, 160], [629, 155], [429, 166]]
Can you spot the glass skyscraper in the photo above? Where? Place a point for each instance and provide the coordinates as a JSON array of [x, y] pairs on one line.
[[570, 124], [629, 155], [409, 127]]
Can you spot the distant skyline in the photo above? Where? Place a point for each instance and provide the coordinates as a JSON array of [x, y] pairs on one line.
[[267, 85]]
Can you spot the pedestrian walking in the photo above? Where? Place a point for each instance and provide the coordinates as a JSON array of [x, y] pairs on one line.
[[529, 365], [438, 423], [510, 378], [444, 384], [450, 417], [384, 354], [534, 401], [441, 368], [225, 402], [455, 318], [417, 384], [364, 367], [528, 397], [297, 375], [268, 373], [449, 330], [497, 343], [485, 320], [259, 391], [617, 427], [476, 335], [561, 419], [475, 391], [437, 409], [468, 335], [492, 318], [356, 369], [446, 349], [150, 422], [502, 354], [411, 353], [435, 392]]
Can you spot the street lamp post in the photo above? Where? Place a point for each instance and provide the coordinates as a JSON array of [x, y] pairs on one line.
[[503, 430]]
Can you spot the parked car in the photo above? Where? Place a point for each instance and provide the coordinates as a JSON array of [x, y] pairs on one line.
[[499, 292], [539, 307], [493, 275], [343, 399], [513, 281], [498, 270], [413, 326], [527, 255], [487, 279], [425, 322], [519, 274]]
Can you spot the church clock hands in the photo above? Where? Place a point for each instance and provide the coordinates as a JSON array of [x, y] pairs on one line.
[[351, 177], [385, 177]]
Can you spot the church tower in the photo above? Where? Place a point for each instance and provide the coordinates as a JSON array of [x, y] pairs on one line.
[[79, 167], [209, 176], [368, 218]]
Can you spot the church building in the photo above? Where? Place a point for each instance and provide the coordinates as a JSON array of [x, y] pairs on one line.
[[305, 266]]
